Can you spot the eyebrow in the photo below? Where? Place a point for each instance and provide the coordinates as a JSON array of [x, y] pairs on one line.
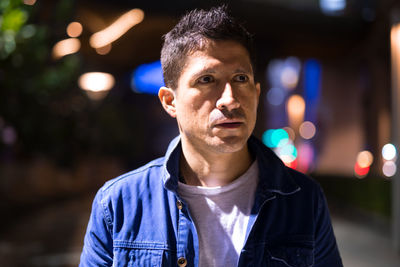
[[212, 70], [243, 71], [204, 71]]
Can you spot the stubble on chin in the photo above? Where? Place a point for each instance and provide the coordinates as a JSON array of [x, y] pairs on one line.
[[227, 144]]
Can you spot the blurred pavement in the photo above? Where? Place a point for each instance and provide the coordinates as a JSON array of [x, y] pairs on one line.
[[364, 245], [53, 236]]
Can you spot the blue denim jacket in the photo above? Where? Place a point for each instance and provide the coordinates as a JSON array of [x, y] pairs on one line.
[[138, 219]]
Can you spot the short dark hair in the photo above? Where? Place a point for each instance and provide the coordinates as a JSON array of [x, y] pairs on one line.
[[192, 32]]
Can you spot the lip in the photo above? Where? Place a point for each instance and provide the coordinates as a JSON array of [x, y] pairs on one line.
[[229, 124]]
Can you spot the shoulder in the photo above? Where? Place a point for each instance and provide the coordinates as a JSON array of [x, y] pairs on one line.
[[132, 182], [305, 182]]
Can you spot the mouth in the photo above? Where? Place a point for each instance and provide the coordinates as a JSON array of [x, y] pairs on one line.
[[230, 125]]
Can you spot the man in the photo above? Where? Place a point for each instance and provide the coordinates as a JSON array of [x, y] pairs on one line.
[[219, 197]]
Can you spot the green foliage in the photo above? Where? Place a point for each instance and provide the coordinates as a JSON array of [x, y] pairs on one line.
[[13, 16], [38, 96], [371, 194], [13, 20], [41, 101]]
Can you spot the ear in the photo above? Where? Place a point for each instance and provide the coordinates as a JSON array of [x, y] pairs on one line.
[[258, 88], [167, 99]]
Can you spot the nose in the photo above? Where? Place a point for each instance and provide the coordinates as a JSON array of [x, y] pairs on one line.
[[227, 100]]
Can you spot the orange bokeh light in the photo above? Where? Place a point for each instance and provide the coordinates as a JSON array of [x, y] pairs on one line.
[[29, 2], [66, 47], [117, 28], [74, 29]]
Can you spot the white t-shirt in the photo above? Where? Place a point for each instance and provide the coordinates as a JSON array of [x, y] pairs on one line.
[[221, 215]]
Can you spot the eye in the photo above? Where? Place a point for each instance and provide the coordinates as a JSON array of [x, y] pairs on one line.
[[206, 79], [241, 78]]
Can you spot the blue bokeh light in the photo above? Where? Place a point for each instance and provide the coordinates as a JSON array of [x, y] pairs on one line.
[[330, 7], [275, 138], [147, 78], [312, 80], [312, 88], [276, 96]]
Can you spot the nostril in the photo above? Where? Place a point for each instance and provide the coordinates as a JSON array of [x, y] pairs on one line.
[[222, 106], [228, 104]]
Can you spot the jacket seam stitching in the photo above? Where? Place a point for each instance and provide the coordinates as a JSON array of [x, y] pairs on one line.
[[107, 218], [137, 171], [142, 245]]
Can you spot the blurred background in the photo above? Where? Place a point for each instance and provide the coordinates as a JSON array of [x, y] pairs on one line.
[[78, 106]]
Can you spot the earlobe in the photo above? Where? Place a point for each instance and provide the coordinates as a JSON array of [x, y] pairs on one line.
[[167, 99]]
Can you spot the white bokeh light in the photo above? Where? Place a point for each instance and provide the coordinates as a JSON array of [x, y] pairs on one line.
[[307, 130], [389, 168], [96, 81], [389, 152]]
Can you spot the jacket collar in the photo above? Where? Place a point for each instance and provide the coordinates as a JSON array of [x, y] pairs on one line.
[[274, 175], [171, 164]]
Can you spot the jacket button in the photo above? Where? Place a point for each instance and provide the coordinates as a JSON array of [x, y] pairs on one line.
[[179, 204], [182, 262]]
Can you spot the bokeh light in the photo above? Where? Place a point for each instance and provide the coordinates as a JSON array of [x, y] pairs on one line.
[[275, 138], [295, 108], [363, 163], [66, 47], [365, 159], [389, 168], [29, 2], [28, 31], [289, 77], [332, 6], [287, 153], [389, 152], [9, 135], [307, 130], [296, 105], [305, 157], [104, 50], [292, 164], [359, 171], [273, 72], [275, 96], [291, 133], [96, 81], [74, 29], [117, 28], [96, 84], [290, 72], [147, 78], [284, 73]]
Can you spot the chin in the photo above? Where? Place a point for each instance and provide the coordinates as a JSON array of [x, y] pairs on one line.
[[230, 144]]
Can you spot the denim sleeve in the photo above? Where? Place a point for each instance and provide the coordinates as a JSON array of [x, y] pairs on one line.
[[326, 250], [98, 243]]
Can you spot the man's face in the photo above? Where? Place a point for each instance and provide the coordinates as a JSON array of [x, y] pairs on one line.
[[216, 98]]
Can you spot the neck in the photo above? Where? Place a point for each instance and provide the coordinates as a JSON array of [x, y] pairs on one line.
[[212, 169]]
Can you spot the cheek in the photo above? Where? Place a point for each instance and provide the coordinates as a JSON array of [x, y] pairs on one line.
[[201, 101], [198, 107], [190, 113], [250, 102], [195, 107]]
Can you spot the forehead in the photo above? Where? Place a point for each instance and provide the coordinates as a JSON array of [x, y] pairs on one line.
[[218, 54]]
